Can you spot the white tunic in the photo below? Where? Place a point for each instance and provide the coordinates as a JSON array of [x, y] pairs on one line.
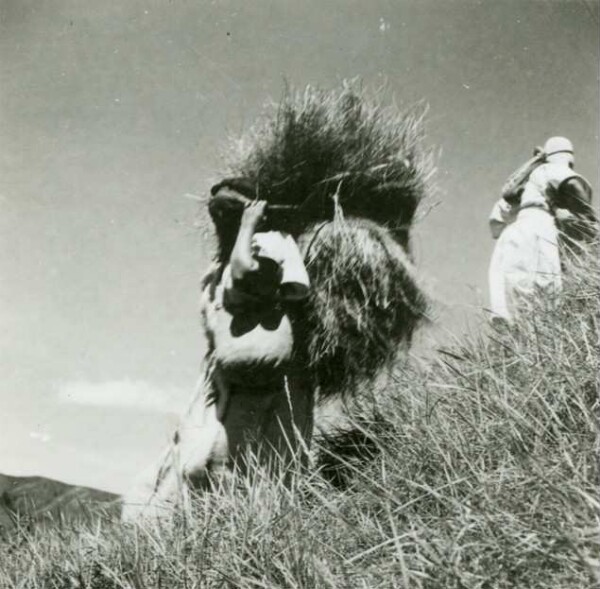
[[526, 263], [245, 331]]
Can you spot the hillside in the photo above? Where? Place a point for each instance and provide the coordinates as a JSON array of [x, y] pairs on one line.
[[25, 500], [481, 472]]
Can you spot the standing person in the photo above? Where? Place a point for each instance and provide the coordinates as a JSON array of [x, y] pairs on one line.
[[254, 392], [526, 261]]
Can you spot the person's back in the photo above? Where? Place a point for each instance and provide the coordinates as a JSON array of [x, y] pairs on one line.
[[526, 260]]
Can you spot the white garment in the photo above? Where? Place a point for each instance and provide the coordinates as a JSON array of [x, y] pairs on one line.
[[526, 261], [243, 334], [246, 339], [281, 248], [544, 183]]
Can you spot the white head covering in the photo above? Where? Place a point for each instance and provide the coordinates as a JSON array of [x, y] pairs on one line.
[[560, 146]]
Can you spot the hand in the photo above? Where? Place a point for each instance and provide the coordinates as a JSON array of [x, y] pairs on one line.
[[253, 213]]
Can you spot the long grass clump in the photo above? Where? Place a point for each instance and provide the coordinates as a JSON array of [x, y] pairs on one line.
[[365, 302], [316, 144], [480, 472]]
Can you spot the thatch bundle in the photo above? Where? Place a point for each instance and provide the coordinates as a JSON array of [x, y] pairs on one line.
[[319, 143], [345, 175], [365, 301]]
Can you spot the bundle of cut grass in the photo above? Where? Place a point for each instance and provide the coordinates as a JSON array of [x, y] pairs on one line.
[[346, 175], [318, 144], [365, 301]]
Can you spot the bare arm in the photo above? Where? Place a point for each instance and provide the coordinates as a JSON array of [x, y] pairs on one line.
[[242, 260]]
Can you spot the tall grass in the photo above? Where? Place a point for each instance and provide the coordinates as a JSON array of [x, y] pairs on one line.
[[482, 473]]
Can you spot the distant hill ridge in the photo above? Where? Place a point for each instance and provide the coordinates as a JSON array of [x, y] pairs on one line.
[[35, 499]]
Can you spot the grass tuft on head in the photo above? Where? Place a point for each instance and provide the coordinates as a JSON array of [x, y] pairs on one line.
[[317, 144]]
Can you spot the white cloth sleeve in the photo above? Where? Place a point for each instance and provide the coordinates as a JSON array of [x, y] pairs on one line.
[[502, 214]]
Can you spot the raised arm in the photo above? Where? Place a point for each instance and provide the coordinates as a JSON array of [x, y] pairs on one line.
[[242, 261]]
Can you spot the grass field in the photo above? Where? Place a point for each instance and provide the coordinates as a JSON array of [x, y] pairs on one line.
[[483, 472]]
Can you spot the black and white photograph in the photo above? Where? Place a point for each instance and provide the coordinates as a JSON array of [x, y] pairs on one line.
[[299, 294]]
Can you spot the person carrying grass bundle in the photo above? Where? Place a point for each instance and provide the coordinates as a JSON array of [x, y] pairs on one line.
[[250, 391], [312, 295], [248, 308], [542, 198]]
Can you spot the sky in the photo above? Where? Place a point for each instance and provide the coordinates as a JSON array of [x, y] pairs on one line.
[[111, 111]]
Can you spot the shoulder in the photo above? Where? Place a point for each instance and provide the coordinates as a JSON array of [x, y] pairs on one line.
[[555, 174], [576, 182], [269, 244]]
